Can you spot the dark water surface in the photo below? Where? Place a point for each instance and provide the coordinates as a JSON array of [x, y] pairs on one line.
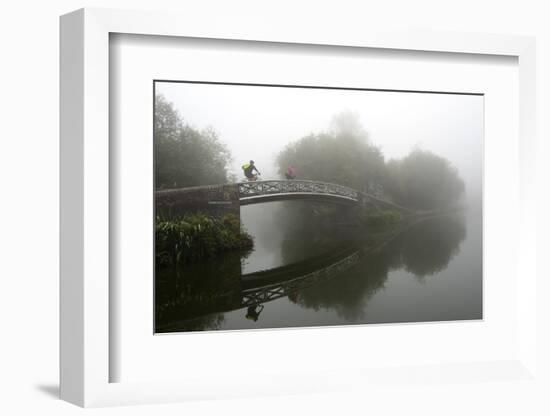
[[311, 265]]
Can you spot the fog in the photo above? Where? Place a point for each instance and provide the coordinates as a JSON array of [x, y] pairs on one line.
[[424, 265], [257, 122]]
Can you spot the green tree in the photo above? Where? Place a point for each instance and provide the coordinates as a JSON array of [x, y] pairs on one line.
[[343, 155], [423, 180], [185, 156]]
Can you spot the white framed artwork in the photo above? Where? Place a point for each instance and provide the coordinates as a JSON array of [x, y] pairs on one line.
[[117, 348]]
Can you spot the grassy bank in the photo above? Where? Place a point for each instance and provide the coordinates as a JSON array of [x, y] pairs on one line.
[[195, 237]]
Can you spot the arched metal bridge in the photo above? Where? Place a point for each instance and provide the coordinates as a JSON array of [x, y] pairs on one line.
[[275, 190], [229, 197]]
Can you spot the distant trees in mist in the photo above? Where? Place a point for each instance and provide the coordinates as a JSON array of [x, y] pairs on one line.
[[423, 180], [345, 155], [185, 156]]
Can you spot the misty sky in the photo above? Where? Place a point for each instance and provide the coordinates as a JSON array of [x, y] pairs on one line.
[[257, 122]]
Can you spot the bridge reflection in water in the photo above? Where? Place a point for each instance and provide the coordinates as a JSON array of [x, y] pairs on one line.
[[253, 290], [270, 292]]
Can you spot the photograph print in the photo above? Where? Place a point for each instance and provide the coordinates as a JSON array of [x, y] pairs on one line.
[[302, 206]]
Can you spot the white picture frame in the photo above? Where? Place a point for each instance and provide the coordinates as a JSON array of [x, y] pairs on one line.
[[84, 311]]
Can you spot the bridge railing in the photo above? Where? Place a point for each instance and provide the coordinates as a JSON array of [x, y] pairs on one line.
[[272, 187], [271, 292]]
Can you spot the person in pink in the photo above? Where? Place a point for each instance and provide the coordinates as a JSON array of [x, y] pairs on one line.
[[290, 173]]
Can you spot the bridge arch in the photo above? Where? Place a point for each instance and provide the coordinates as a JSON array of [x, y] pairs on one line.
[[277, 190]]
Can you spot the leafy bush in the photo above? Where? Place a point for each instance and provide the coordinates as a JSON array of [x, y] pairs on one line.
[[194, 237]]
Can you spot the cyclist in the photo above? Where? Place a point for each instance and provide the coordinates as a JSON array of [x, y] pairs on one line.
[[249, 169]]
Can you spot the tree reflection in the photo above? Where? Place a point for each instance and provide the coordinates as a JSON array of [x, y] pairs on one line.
[[203, 323], [424, 249], [428, 247], [312, 229], [188, 298], [347, 294]]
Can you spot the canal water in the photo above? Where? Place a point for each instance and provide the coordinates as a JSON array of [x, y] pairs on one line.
[[312, 265]]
